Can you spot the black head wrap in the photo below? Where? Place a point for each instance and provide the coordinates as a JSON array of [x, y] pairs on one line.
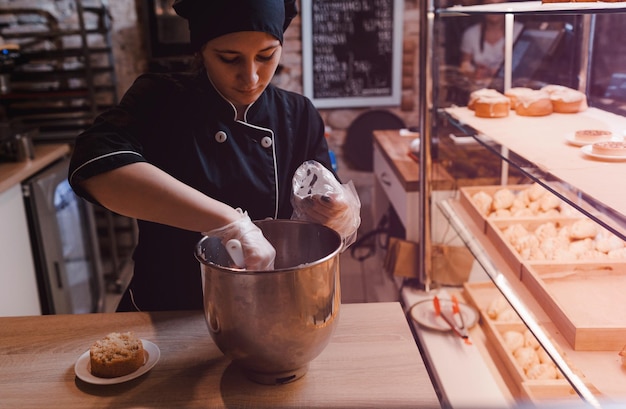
[[209, 19]]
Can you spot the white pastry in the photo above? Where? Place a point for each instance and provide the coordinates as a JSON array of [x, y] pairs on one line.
[[482, 201], [530, 340], [549, 202], [541, 371], [584, 228], [526, 244], [500, 213], [534, 207], [564, 255], [580, 247], [608, 242], [503, 199], [543, 356], [617, 254], [508, 315], [526, 357], [514, 232], [525, 212], [551, 213], [536, 191], [546, 230], [496, 306], [513, 340]]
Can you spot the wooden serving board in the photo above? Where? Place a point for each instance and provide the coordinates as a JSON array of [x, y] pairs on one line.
[[554, 392], [466, 199], [519, 384], [585, 302], [495, 233], [466, 194]]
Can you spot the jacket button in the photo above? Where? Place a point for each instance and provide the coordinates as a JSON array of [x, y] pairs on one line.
[[266, 142], [221, 136]]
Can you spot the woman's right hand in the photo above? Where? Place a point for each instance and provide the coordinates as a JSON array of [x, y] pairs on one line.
[[258, 253]]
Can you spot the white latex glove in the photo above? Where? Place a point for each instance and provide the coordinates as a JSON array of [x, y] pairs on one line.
[[319, 197], [258, 253]]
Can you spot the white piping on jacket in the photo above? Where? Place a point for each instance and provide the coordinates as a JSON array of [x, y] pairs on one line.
[[98, 158], [273, 158], [245, 122]]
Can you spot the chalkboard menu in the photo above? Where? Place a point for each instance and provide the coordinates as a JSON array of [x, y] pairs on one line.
[[352, 52]]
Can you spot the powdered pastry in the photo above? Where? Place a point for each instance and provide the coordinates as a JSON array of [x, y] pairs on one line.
[[117, 354]]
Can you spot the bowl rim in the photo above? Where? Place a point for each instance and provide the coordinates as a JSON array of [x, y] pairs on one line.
[[284, 270]]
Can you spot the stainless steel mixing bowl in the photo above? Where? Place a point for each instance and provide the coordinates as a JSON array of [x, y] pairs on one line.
[[273, 323]]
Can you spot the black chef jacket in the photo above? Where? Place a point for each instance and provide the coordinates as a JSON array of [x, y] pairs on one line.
[[181, 124]]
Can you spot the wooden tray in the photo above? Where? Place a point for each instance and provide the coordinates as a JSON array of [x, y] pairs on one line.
[[554, 392], [586, 302], [521, 387], [466, 199], [495, 233]]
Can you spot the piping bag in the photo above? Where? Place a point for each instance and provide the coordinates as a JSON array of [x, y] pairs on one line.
[[318, 197]]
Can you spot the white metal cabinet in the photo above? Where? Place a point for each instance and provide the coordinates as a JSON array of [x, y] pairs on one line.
[[388, 189], [18, 284]]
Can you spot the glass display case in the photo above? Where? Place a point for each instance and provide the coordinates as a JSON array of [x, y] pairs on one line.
[[541, 210]]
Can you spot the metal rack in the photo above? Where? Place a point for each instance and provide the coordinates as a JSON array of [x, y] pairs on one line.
[[66, 73], [64, 78]]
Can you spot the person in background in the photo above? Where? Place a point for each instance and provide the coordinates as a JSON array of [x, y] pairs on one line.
[[205, 151], [482, 45]]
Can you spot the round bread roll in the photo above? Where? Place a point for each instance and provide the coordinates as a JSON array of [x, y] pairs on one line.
[[583, 229], [508, 315], [117, 354], [513, 340], [482, 200], [544, 358], [503, 199], [541, 371], [497, 306], [526, 357], [536, 191], [484, 92], [514, 93], [609, 148], [617, 253], [530, 340], [592, 135], [608, 242], [551, 88], [568, 101], [492, 107], [549, 202], [534, 103]]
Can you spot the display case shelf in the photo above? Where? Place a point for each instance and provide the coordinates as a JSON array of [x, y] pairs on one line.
[[534, 7], [539, 149]]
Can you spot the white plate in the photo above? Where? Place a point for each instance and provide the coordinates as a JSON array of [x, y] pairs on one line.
[[83, 372], [587, 151], [571, 139], [463, 140], [424, 314]]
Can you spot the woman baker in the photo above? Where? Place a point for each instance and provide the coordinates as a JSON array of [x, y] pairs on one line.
[[206, 151]]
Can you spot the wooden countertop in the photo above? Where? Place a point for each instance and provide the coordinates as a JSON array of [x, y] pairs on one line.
[[395, 148], [12, 173], [372, 361]]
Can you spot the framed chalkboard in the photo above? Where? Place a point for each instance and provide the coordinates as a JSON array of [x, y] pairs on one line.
[[352, 52]]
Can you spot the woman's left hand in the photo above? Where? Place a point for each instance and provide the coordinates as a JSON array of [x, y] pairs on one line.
[[318, 197]]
